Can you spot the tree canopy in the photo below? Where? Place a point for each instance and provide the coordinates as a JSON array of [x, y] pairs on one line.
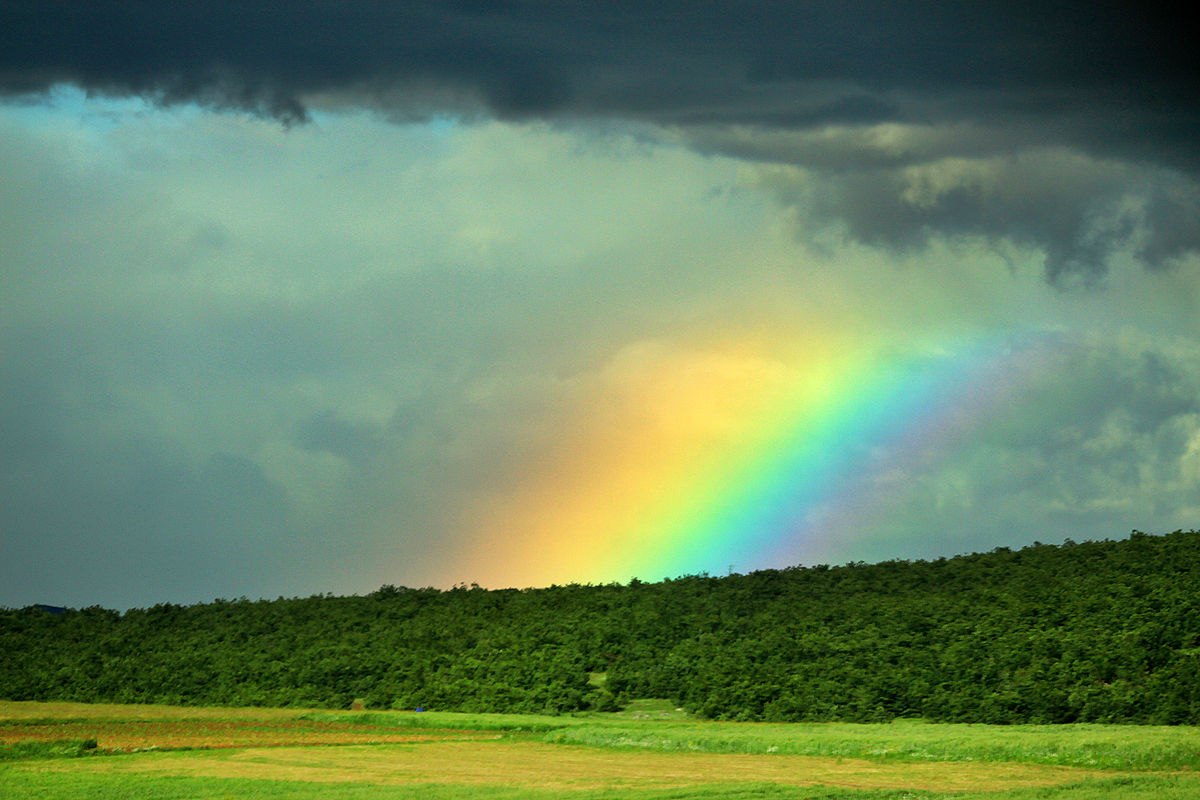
[[1090, 632]]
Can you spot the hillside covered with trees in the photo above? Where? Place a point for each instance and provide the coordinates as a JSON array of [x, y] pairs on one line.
[[1092, 632]]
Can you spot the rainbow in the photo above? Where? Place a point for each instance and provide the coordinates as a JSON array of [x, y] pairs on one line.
[[730, 454]]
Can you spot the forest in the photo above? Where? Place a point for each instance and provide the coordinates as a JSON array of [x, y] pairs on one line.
[[1104, 631]]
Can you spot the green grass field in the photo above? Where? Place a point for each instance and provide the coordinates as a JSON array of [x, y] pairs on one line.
[[651, 750]]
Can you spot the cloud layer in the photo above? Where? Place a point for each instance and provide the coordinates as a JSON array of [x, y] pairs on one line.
[[953, 112], [245, 357], [778, 64]]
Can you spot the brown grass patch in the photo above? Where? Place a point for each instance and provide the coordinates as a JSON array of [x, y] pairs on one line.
[[29, 709], [211, 733], [129, 728]]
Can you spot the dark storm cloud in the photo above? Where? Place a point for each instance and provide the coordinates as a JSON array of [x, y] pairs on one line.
[[1109, 69], [1111, 81], [1079, 212]]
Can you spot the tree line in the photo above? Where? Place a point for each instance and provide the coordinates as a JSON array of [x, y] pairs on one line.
[[1081, 632]]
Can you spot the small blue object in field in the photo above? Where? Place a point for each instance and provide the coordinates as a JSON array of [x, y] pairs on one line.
[[420, 708]]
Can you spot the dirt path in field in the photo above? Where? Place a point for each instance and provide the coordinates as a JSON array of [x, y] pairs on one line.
[[566, 767]]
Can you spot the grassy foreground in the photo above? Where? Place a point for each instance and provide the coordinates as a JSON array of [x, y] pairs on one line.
[[66, 750]]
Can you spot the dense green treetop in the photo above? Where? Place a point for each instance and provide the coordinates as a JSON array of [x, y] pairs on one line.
[[1090, 632]]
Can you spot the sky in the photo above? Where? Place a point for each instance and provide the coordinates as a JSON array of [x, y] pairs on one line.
[[314, 297]]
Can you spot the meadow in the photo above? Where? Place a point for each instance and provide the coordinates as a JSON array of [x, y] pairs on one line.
[[650, 750]]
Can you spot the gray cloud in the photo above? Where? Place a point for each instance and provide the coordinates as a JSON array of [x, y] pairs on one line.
[[249, 366], [1078, 211], [1174, 209], [871, 89], [128, 518], [324, 431], [766, 63], [1109, 444], [240, 359]]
